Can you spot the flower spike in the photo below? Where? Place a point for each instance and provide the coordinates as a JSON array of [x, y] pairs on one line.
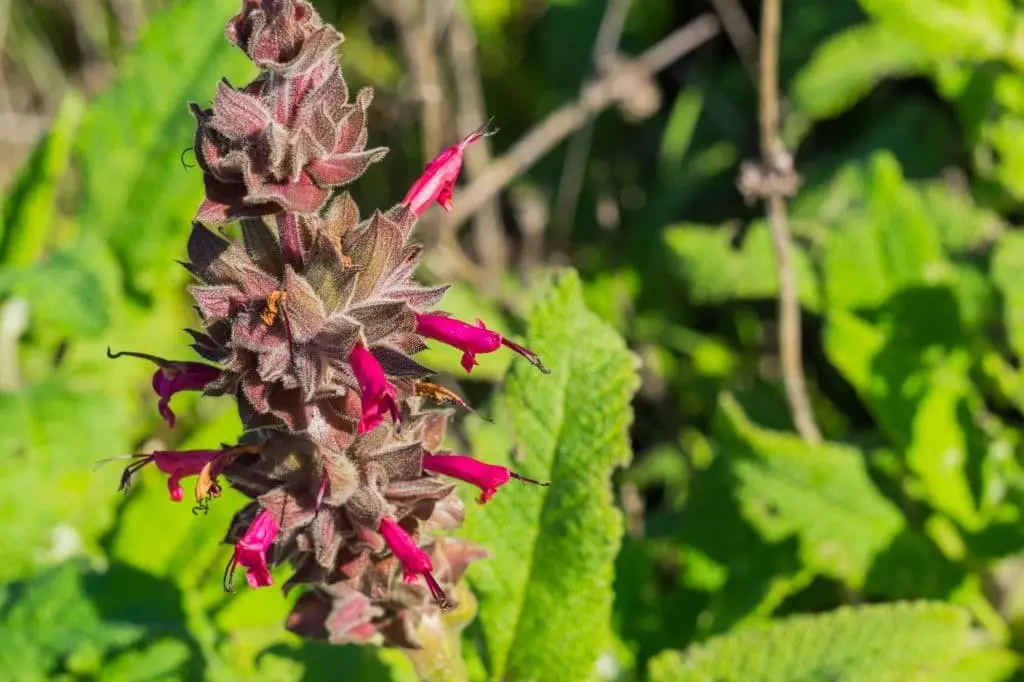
[[487, 477], [438, 178], [470, 339], [173, 376]]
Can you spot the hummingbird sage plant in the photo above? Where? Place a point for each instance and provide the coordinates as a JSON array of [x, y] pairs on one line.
[[312, 320]]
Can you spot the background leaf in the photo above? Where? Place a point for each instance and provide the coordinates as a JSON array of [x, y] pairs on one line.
[[879, 643]]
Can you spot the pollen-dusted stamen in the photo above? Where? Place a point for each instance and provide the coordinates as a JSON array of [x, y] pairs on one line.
[[251, 552], [487, 477], [470, 339], [377, 393], [173, 376], [182, 463], [438, 178], [413, 559]]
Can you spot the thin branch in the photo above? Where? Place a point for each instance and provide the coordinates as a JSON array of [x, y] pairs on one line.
[[741, 33], [779, 180], [570, 185], [417, 24], [568, 118], [488, 230]]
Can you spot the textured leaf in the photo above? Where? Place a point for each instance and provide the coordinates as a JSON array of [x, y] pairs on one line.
[[130, 147], [879, 643], [715, 272], [820, 493], [545, 598]]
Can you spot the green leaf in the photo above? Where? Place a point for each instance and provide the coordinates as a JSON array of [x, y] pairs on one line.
[[52, 504], [161, 660], [912, 369], [52, 618], [29, 208], [65, 296], [715, 272], [1007, 264], [880, 643], [846, 67], [546, 595], [820, 493], [969, 29], [130, 147]]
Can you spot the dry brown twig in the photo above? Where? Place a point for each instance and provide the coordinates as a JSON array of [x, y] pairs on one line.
[[570, 185], [773, 179], [488, 231], [570, 117]]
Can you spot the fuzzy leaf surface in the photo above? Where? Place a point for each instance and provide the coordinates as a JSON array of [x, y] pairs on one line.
[[881, 643], [546, 596]]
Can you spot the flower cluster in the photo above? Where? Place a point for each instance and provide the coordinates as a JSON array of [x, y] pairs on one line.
[[311, 320]]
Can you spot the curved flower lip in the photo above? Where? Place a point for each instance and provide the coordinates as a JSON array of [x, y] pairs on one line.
[[173, 376], [487, 477], [414, 560], [471, 340], [438, 178], [182, 463], [377, 395], [251, 552]]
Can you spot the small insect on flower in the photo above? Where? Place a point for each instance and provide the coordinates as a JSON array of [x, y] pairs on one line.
[[443, 396]]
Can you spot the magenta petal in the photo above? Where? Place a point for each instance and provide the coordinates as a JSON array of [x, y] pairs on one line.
[[377, 394], [415, 562], [251, 550]]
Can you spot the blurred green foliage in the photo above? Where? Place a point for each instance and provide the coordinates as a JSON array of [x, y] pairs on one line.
[[740, 551]]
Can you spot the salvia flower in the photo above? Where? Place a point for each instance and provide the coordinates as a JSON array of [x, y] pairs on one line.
[[311, 319], [178, 464], [251, 552], [471, 340], [438, 179], [487, 477], [378, 395], [415, 562], [174, 376]]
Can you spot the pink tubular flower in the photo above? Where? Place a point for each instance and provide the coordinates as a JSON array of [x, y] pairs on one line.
[[251, 552], [469, 339], [438, 178], [177, 465], [173, 376], [377, 393], [487, 477], [413, 559]]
